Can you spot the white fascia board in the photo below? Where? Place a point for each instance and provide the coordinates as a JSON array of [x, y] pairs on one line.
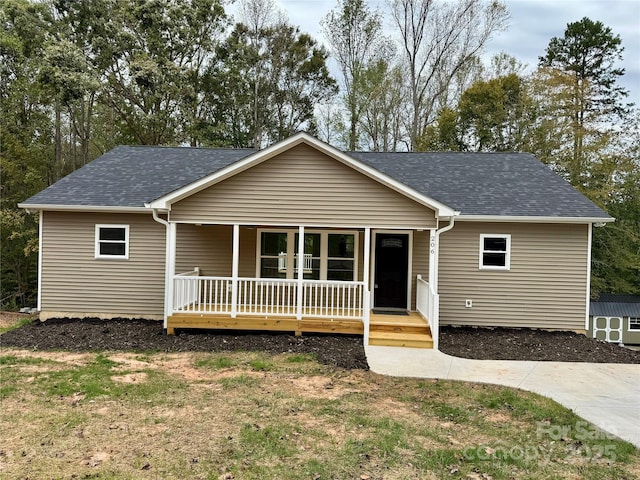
[[297, 139], [532, 219], [83, 208]]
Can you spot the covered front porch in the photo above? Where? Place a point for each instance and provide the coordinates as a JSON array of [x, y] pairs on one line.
[[271, 305], [298, 303]]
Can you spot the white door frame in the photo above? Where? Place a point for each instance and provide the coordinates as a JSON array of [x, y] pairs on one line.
[[372, 277]]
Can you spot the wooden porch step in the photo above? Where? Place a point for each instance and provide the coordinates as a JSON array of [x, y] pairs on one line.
[[392, 339], [400, 327]]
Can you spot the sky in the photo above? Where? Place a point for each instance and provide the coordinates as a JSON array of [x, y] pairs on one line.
[[533, 23]]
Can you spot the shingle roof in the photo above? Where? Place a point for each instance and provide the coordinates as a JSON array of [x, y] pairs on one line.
[[500, 184], [609, 305], [131, 176], [503, 184]]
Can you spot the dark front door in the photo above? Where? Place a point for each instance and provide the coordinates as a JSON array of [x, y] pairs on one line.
[[391, 270]]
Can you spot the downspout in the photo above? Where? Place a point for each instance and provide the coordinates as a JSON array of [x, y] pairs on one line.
[[435, 330], [438, 233], [167, 266]]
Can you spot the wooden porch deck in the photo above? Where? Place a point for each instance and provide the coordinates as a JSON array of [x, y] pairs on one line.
[[409, 330]]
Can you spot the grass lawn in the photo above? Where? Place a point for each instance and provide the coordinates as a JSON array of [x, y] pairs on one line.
[[121, 415]]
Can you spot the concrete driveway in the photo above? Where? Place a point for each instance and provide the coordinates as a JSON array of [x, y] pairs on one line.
[[606, 394]]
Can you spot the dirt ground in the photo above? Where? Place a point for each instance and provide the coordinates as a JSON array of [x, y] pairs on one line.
[[340, 351]]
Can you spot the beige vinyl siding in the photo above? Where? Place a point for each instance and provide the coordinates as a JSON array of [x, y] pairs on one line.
[[302, 186], [247, 260], [207, 247], [74, 281], [210, 247], [545, 287], [419, 261]]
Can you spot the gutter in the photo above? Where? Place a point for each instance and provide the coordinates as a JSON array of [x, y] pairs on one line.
[[534, 219], [81, 208]]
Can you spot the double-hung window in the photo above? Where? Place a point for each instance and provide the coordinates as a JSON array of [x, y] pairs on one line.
[[112, 241], [328, 255], [495, 252]]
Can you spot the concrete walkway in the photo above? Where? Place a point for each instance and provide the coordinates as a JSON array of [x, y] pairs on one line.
[[606, 394]]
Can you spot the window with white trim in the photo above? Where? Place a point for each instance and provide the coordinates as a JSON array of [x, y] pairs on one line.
[[341, 256], [495, 251], [273, 254], [112, 242], [311, 269], [328, 255], [634, 323]]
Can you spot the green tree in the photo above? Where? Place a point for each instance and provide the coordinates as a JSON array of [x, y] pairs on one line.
[[588, 115], [614, 183], [292, 80], [583, 77], [354, 34], [494, 115], [443, 134], [151, 57], [382, 94], [438, 40], [26, 144]]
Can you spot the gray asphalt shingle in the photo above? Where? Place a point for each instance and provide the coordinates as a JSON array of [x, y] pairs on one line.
[[513, 184], [131, 176]]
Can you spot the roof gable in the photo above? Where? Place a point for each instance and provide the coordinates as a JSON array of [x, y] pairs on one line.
[[258, 157], [303, 186]]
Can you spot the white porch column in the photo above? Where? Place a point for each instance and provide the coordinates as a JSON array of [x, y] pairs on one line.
[[366, 257], [300, 271], [365, 278], [433, 260], [170, 269], [234, 270]]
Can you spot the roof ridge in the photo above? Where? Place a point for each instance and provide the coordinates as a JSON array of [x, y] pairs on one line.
[[441, 153], [186, 147]]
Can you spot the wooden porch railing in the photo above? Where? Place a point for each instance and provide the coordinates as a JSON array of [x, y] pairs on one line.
[[428, 304], [274, 297]]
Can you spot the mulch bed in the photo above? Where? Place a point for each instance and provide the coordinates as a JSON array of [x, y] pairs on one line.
[[147, 335], [525, 344], [336, 350]]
